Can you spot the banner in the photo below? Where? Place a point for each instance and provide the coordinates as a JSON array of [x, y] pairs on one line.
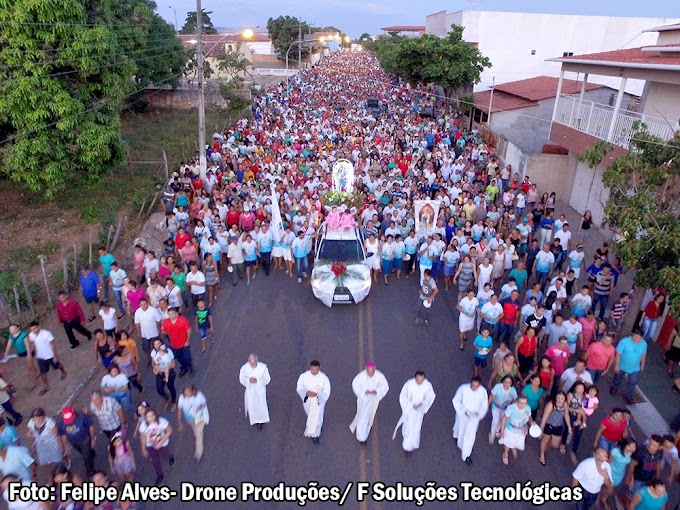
[[277, 222], [427, 212]]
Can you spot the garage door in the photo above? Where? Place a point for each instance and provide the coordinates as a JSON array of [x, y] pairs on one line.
[[589, 193]]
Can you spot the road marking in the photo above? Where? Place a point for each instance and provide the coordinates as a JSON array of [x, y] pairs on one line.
[[362, 450], [375, 450]]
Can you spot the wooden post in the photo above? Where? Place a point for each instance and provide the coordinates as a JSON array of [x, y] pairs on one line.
[[5, 313], [165, 164], [75, 264], [139, 215], [108, 237], [29, 298], [64, 268], [16, 300], [89, 257], [153, 203], [44, 273], [121, 225]]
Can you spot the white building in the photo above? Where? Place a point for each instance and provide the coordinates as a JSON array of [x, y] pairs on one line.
[[518, 44]]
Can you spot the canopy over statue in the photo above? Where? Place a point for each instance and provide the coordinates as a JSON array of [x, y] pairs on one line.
[[343, 176]]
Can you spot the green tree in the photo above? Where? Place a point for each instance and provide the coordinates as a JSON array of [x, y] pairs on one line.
[[234, 94], [68, 67], [643, 210], [450, 62], [365, 37], [284, 31], [190, 70], [190, 23], [233, 64]]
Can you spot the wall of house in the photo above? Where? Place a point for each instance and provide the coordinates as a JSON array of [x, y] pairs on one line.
[[662, 100], [261, 48], [549, 172], [436, 24], [508, 38], [669, 37]]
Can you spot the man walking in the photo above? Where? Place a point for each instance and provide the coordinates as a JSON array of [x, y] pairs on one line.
[[71, 316], [415, 399], [470, 403], [591, 475], [631, 354], [106, 260], [255, 377], [90, 287], [236, 261], [604, 285], [314, 389], [370, 387], [77, 429], [426, 294], [45, 353], [117, 277], [543, 265], [108, 412], [147, 325], [178, 329]]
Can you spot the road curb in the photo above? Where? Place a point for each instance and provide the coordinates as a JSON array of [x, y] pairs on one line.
[[79, 389]]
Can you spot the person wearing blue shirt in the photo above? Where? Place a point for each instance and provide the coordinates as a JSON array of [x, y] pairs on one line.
[[482, 345], [546, 227], [299, 248], [89, 285], [265, 242], [631, 354], [105, 259]]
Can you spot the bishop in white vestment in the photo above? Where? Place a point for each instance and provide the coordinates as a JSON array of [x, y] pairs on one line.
[[255, 377], [416, 398], [369, 386], [314, 389], [471, 404]]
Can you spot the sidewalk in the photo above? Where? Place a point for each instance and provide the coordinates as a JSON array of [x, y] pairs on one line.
[[658, 404]]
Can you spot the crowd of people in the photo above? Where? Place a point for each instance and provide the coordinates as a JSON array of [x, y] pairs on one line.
[[543, 317]]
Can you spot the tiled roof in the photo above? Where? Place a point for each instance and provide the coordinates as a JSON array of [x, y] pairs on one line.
[[630, 56], [213, 38], [501, 101], [543, 87]]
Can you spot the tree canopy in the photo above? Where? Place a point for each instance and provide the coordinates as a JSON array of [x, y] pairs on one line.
[[449, 62], [190, 23], [68, 67], [233, 64], [284, 31], [644, 209]]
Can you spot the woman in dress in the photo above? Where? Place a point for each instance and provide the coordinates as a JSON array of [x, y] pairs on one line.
[[372, 246], [49, 450], [139, 255], [466, 276], [212, 278], [104, 348], [514, 428], [555, 418], [387, 256], [467, 308], [588, 325], [450, 258], [399, 249], [498, 265], [500, 398], [483, 274]]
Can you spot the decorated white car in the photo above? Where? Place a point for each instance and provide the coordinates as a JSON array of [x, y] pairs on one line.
[[340, 275]]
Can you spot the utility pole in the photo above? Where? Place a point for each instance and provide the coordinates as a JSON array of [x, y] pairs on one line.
[[488, 118], [299, 45], [201, 91]]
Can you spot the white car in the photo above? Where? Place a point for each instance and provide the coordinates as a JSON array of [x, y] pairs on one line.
[[341, 245]]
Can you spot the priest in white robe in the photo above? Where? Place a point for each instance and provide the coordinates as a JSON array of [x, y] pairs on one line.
[[471, 404], [416, 398], [255, 377], [369, 386], [314, 389]]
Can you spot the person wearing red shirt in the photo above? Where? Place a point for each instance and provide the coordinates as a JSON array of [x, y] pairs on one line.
[[181, 238], [511, 307], [650, 316], [526, 350], [559, 355], [612, 430], [178, 329], [232, 216], [71, 315], [600, 357], [526, 184]]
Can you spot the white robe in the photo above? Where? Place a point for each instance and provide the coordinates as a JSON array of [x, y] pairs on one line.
[[367, 405], [411, 421], [255, 398], [474, 403], [314, 406]]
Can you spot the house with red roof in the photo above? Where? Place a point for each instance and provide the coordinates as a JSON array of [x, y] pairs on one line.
[[579, 122]]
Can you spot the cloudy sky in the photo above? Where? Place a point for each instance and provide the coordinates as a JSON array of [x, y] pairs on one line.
[[358, 16]]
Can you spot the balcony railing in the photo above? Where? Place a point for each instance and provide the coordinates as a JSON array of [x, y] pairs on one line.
[[596, 120]]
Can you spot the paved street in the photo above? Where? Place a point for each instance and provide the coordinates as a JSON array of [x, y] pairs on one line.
[[282, 322]]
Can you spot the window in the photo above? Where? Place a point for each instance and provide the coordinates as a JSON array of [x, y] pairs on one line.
[[533, 52], [568, 54]]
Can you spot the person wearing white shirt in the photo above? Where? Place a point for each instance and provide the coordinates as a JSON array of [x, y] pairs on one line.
[[564, 236], [147, 323], [561, 292], [591, 475], [192, 408], [470, 403], [576, 258], [45, 353], [415, 399], [195, 280], [314, 388]]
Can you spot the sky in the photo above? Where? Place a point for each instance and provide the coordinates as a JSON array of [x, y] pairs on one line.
[[358, 16]]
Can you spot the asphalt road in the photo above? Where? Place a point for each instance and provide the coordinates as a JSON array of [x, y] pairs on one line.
[[283, 323]]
